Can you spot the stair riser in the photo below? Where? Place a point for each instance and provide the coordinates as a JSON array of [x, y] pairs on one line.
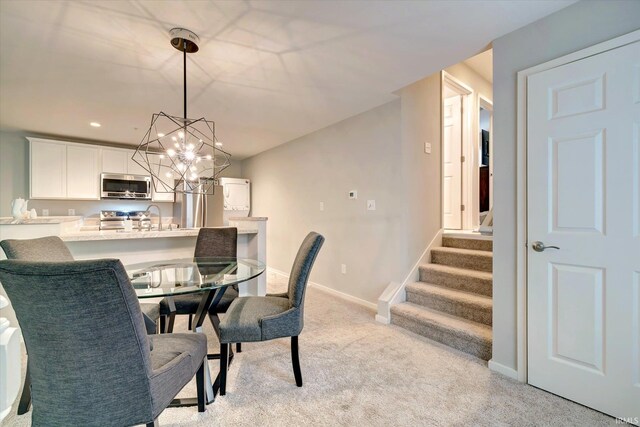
[[456, 308], [470, 262], [459, 282], [476, 244], [476, 347]]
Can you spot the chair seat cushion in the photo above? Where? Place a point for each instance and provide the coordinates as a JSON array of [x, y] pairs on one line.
[[242, 323], [174, 360], [188, 304]]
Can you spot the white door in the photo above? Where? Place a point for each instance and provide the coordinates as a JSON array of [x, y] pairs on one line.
[[584, 197], [452, 165]]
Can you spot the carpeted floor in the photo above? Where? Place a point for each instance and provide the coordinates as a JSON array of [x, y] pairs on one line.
[[360, 373]]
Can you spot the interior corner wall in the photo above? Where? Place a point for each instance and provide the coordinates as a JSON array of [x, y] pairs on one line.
[[576, 27], [14, 165], [422, 172], [290, 181]]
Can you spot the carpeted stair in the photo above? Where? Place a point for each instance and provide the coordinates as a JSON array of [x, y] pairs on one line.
[[452, 301]]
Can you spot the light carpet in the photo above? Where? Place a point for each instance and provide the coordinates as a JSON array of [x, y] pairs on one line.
[[359, 372]]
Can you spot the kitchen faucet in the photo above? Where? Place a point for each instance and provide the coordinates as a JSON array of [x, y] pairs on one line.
[[146, 212]]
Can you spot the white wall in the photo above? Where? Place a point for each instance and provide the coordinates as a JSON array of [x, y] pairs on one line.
[[379, 153], [573, 28]]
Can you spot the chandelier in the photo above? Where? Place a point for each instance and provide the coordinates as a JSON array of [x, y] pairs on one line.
[[182, 155]]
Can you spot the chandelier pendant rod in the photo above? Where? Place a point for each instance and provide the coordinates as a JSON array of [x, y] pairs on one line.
[[184, 67]]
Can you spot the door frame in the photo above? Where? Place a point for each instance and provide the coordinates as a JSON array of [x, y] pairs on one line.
[[467, 150], [521, 184], [485, 103]]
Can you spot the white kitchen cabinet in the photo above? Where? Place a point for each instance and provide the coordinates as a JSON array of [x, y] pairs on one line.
[[114, 160], [160, 168], [60, 170], [48, 166], [132, 167], [83, 172]]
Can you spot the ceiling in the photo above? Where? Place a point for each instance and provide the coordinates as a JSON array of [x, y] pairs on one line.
[[267, 71]]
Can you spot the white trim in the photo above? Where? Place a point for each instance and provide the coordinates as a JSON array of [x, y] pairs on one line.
[[367, 304], [395, 292], [468, 151], [521, 183], [485, 103], [502, 369]]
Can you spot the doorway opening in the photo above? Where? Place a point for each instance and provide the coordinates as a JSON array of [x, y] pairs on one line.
[[467, 148]]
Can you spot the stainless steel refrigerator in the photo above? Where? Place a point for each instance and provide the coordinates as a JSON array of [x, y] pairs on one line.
[[195, 210]]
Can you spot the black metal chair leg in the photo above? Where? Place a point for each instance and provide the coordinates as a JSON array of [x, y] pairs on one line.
[[190, 321], [238, 347], [200, 386], [153, 423], [25, 398], [163, 324], [295, 360], [224, 366]]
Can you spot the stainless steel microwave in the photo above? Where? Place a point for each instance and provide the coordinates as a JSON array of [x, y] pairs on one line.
[[117, 186]]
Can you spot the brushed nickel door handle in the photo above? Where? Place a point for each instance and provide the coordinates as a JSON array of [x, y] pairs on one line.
[[540, 247]]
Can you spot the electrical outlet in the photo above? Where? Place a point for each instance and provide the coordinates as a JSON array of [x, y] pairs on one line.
[[321, 206], [71, 212], [427, 147], [343, 268], [353, 194], [371, 205], [45, 212]]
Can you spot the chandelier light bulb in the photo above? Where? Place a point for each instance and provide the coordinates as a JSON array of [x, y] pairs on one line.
[[171, 152], [161, 156], [168, 174], [181, 135], [174, 138], [160, 135], [208, 156]]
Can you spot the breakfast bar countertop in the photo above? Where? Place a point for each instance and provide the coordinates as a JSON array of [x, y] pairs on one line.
[[98, 235]]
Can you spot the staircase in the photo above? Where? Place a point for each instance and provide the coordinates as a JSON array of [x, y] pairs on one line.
[[452, 301]]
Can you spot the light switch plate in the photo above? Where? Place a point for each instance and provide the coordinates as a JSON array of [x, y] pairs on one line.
[[427, 147], [371, 205], [343, 268], [321, 206], [71, 212], [45, 212]]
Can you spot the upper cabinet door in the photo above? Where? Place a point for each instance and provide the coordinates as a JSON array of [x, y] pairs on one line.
[[83, 172], [114, 161], [48, 170], [132, 167]]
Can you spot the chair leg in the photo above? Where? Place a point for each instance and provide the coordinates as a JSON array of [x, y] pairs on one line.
[[163, 324], [224, 365], [200, 386], [153, 423], [190, 321], [238, 347], [295, 360], [25, 397], [172, 319]]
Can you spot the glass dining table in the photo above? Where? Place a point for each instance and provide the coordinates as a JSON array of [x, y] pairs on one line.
[[208, 276]]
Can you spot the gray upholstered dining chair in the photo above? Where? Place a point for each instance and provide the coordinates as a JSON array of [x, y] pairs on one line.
[[251, 319], [53, 249], [211, 242], [93, 364]]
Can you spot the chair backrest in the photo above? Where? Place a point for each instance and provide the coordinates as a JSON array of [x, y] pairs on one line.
[[217, 242], [50, 248], [302, 265], [89, 358]]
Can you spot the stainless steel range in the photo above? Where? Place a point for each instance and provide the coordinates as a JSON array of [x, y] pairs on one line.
[[114, 220]]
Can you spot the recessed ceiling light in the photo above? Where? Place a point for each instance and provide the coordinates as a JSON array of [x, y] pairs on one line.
[[95, 124]]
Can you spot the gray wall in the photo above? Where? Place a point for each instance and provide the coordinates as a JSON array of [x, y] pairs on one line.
[[14, 183], [576, 27], [379, 153]]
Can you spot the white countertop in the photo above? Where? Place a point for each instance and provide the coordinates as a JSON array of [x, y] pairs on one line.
[[7, 220], [82, 236], [248, 218]]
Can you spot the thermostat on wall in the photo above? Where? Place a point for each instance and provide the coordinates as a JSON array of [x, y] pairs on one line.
[[353, 194]]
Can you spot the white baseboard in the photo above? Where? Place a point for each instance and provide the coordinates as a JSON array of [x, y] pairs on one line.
[[504, 370], [284, 276]]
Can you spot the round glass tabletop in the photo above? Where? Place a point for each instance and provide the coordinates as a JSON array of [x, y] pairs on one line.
[[190, 275]]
